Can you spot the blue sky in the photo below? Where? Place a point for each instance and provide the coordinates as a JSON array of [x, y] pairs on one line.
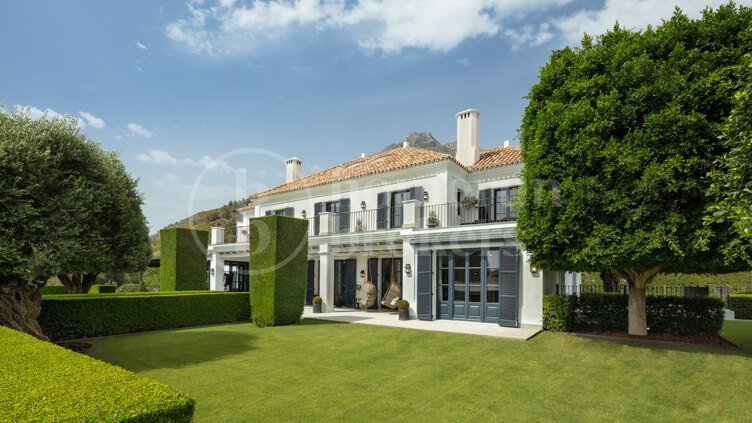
[[204, 99]]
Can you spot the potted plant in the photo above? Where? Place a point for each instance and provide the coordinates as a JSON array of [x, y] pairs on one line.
[[469, 202], [404, 309], [317, 304], [433, 221], [359, 226]]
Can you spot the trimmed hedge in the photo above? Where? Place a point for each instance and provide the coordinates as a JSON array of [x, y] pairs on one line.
[[679, 315], [278, 269], [182, 265], [66, 317], [41, 382], [557, 313], [53, 290], [102, 289], [742, 306]]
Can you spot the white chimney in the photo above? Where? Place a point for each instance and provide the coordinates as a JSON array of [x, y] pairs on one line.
[[506, 143], [468, 151], [404, 144], [362, 155], [293, 169]]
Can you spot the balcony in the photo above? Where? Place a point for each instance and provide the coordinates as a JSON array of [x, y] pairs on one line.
[[409, 215]]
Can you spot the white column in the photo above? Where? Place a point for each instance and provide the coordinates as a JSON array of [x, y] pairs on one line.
[[410, 214], [216, 273], [409, 286], [326, 278], [530, 293], [326, 223], [217, 235]]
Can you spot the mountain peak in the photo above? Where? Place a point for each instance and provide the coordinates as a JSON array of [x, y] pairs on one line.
[[417, 140]]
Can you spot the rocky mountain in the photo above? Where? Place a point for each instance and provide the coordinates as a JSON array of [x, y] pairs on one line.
[[425, 140]]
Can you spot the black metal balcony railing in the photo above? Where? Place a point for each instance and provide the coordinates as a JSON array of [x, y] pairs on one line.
[[427, 217]]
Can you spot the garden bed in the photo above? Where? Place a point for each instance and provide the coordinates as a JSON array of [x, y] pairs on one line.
[[708, 339]]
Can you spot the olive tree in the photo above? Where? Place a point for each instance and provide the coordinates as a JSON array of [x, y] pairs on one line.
[[68, 208], [618, 138]]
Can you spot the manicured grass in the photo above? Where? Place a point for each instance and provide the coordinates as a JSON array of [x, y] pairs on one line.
[[320, 371]]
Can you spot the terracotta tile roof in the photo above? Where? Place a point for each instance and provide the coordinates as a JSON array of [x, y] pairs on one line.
[[497, 156], [386, 161], [248, 207]]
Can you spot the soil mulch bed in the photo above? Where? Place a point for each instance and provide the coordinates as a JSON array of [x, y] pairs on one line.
[[711, 340], [79, 347]]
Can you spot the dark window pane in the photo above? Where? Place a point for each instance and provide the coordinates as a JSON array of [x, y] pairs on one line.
[[443, 261], [474, 294], [492, 294], [459, 260], [475, 258], [474, 277], [459, 277], [444, 293], [459, 293], [444, 276]]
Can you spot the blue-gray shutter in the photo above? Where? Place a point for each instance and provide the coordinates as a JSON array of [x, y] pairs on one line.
[[424, 275], [316, 212], [485, 206], [344, 215], [350, 278], [416, 193], [289, 211], [382, 210], [509, 290]]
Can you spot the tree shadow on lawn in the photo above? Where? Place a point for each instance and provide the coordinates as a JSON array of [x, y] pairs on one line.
[[738, 333], [174, 349]]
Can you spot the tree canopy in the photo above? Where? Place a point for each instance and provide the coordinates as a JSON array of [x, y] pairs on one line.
[[618, 139], [68, 208]]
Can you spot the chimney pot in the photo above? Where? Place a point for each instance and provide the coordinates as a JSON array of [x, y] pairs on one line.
[[506, 143], [362, 155], [293, 171], [404, 144], [468, 150]]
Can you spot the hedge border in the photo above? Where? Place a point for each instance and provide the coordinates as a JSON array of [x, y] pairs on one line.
[[741, 305], [182, 264], [41, 382]]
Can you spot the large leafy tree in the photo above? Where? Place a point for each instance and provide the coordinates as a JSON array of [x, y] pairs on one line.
[[731, 180], [618, 138], [67, 207]]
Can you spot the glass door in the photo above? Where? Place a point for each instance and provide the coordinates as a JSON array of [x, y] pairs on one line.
[[391, 270], [397, 199]]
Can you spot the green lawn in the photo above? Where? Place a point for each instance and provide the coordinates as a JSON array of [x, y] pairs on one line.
[[320, 371]]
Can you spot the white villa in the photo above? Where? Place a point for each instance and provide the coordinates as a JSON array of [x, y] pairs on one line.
[[441, 226]]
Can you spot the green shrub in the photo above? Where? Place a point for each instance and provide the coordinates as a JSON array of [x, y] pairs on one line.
[[318, 300], [557, 313], [679, 315], [102, 289], [128, 287], [742, 306], [66, 317], [278, 267], [53, 290], [41, 382], [403, 304], [183, 259]]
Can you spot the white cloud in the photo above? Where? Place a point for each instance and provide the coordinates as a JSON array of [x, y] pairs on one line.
[[84, 119], [163, 157], [141, 46], [138, 68], [91, 120], [632, 14], [231, 27], [139, 130], [464, 62]]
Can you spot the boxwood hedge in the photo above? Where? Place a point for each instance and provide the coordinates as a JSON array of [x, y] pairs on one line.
[[278, 267], [680, 315], [102, 289], [182, 264], [41, 382], [67, 317], [742, 306], [53, 290]]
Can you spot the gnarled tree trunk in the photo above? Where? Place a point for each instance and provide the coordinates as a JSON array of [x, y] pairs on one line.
[[20, 305], [637, 279], [77, 283], [610, 281]]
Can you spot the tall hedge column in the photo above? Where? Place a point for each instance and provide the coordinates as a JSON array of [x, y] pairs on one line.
[[182, 263], [277, 268]]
